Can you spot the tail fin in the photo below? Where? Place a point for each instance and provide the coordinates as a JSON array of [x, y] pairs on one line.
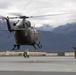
[[8, 24]]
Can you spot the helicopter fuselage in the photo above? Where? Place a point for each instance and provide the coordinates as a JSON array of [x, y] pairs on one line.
[[23, 37], [27, 36], [24, 33]]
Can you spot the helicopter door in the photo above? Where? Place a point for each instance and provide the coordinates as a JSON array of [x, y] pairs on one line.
[[31, 31], [35, 34]]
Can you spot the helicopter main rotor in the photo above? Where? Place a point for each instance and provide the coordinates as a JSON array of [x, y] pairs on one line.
[[21, 16], [26, 17]]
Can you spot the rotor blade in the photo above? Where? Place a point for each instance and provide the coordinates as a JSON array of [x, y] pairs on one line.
[[2, 17], [17, 14], [23, 16], [13, 17], [48, 15]]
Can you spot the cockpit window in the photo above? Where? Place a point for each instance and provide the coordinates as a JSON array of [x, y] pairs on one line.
[[35, 30], [28, 23]]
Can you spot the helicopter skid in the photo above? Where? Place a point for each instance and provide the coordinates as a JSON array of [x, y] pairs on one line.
[[38, 45], [18, 47]]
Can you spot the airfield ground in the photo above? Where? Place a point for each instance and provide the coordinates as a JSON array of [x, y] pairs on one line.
[[37, 65]]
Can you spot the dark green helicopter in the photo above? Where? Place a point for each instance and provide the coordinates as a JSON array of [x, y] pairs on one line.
[[24, 33]]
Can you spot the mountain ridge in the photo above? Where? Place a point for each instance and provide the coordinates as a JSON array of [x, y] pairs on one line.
[[52, 41]]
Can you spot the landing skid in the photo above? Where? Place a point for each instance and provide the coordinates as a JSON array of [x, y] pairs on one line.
[[37, 44], [16, 47]]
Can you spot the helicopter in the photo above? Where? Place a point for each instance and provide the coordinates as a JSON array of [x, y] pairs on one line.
[[24, 33]]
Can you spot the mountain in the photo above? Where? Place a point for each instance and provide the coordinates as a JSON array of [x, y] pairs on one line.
[[52, 42], [68, 29], [45, 27], [56, 42], [65, 29], [59, 39]]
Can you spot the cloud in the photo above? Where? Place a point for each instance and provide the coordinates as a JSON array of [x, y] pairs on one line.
[[41, 7], [3, 4]]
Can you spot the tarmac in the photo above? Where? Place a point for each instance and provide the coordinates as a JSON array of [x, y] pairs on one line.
[[18, 65]]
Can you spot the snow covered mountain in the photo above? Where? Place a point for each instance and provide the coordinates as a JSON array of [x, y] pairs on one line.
[[61, 38]]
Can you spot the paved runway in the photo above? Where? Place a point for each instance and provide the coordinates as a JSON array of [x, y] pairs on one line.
[[37, 65]]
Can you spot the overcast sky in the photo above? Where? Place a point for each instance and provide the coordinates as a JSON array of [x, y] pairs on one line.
[[41, 7]]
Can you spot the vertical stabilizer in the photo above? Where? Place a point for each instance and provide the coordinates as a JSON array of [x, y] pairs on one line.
[[8, 24]]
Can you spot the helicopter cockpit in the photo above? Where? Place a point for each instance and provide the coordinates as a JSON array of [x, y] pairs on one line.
[[22, 24], [28, 23]]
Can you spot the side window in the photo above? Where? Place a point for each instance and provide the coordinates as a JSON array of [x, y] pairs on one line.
[[31, 30], [28, 23], [35, 30]]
